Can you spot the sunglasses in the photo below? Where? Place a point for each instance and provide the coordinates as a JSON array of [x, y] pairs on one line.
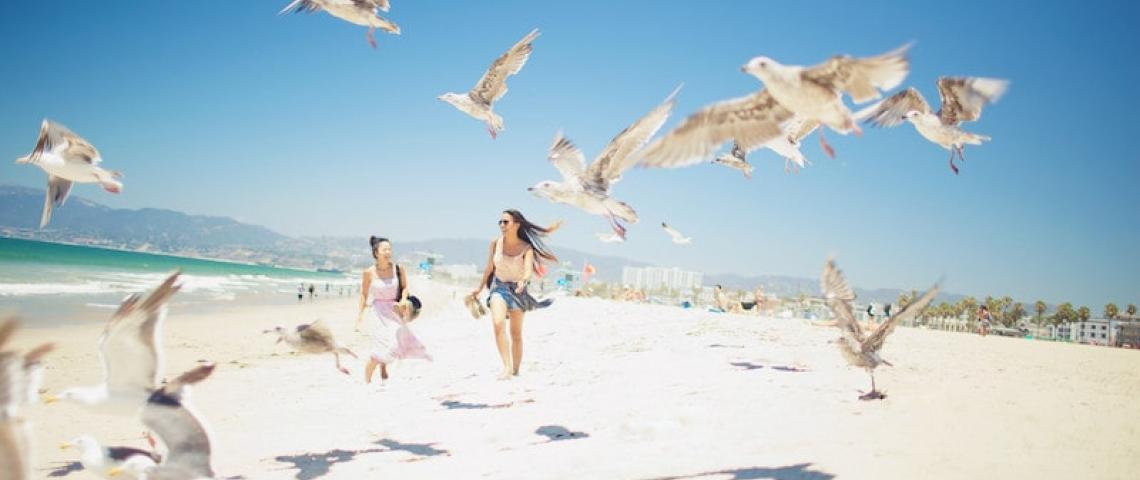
[[504, 222]]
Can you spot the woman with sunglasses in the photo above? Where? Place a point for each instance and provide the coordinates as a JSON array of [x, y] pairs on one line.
[[387, 285], [512, 260]]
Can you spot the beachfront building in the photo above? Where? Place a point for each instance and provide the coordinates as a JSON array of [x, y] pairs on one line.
[[653, 278], [1095, 331], [460, 272]]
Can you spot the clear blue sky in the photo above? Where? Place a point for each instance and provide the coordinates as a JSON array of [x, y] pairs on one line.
[[293, 122]]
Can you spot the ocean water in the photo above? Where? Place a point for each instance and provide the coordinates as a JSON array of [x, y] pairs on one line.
[[56, 283]]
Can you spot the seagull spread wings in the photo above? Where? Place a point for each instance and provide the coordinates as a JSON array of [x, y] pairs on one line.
[[751, 121], [962, 101], [493, 85], [862, 78], [129, 344]]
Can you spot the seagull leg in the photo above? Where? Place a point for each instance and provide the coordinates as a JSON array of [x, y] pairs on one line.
[[961, 153], [616, 226], [873, 394], [338, 366], [371, 38], [824, 145], [491, 130], [953, 167]]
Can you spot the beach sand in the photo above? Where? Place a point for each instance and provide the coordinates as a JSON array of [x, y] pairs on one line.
[[615, 390]]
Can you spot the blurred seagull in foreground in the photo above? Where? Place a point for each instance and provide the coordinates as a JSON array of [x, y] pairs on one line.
[[131, 353], [589, 189], [67, 158], [313, 338], [359, 12], [479, 101], [962, 101]]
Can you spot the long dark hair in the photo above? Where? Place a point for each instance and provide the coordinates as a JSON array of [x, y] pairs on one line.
[[375, 242], [532, 234]]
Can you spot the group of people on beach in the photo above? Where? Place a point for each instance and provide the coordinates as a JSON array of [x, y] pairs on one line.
[[513, 259]]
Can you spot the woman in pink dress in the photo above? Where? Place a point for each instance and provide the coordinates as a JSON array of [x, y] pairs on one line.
[[386, 284]]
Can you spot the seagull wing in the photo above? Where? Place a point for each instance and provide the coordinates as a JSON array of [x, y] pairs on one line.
[[751, 121], [798, 129], [890, 112], [569, 161], [875, 341], [493, 85], [839, 296], [862, 78], [168, 415], [52, 134], [673, 233], [15, 446], [618, 156], [317, 332], [964, 97], [129, 345], [298, 6], [58, 190]]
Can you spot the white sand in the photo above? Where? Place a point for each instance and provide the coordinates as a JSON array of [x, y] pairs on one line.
[[636, 391]]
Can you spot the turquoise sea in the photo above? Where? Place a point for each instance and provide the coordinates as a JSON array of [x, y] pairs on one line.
[[53, 282]]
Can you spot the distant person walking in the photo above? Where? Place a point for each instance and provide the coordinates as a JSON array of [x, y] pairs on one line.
[[512, 259], [312, 291], [300, 292], [985, 319]]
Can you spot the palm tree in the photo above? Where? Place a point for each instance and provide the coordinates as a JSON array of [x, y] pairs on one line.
[[1064, 314], [1015, 314], [1040, 307], [1084, 313], [1111, 311]]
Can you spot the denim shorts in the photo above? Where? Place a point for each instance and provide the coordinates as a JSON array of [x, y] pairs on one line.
[[505, 291]]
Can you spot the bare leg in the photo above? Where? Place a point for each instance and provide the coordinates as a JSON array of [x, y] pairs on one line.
[[499, 322], [371, 38], [370, 368], [823, 144], [516, 340]]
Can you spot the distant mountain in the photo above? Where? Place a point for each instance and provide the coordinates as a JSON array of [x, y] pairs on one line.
[[162, 230], [86, 222]]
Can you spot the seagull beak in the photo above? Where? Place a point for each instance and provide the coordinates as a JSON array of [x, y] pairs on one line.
[[64, 446], [744, 68], [49, 399], [114, 472], [530, 189]]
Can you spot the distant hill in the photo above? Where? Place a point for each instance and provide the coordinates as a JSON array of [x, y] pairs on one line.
[[168, 231], [163, 230]]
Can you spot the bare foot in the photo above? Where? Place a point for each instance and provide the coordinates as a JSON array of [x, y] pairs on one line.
[[383, 371], [505, 375]]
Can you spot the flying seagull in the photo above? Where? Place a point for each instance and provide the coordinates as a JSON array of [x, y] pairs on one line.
[[100, 460], [816, 92], [67, 158], [131, 353], [479, 101], [169, 414], [962, 101], [589, 188], [786, 144], [859, 349], [313, 338], [675, 235], [359, 12]]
